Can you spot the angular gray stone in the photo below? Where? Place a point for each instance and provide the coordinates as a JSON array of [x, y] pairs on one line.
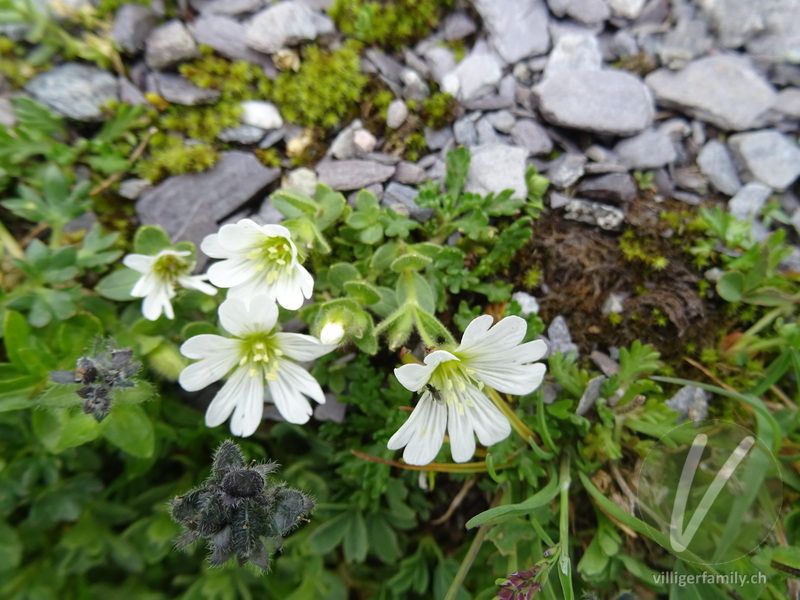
[[566, 170], [629, 9], [749, 200], [465, 133], [386, 65], [766, 156], [684, 42], [589, 12], [780, 40], [302, 180], [169, 44], [279, 25], [574, 53], [226, 36], [716, 163], [486, 133], [457, 26], [531, 136], [788, 103], [528, 304], [502, 120], [396, 114], [242, 134], [600, 101], [604, 216], [474, 76], [440, 62], [189, 207], [504, 98], [179, 90], [75, 90], [261, 114], [132, 25], [409, 173], [611, 187], [724, 90], [648, 150], [691, 403], [229, 7], [559, 338], [414, 86], [438, 138], [497, 167], [402, 199], [133, 188], [352, 174], [129, 93], [590, 395], [7, 116], [517, 28]]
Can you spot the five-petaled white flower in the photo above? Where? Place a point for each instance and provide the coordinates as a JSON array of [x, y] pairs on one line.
[[257, 360], [453, 399], [160, 274], [259, 259]]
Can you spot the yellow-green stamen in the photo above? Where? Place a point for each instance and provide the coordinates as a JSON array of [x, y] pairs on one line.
[[450, 380], [273, 255], [259, 355], [168, 267]]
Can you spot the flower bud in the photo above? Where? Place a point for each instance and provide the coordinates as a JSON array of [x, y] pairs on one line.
[[332, 333]]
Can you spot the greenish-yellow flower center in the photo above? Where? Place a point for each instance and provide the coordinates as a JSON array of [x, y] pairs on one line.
[[450, 380], [259, 355], [169, 267], [273, 256]]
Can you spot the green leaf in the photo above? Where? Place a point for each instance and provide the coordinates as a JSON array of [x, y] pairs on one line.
[[60, 396], [329, 535], [507, 511], [731, 286], [371, 235], [382, 539], [362, 291], [355, 538], [150, 240], [130, 429], [118, 284], [410, 262], [340, 273], [457, 167], [786, 559], [292, 204], [59, 430], [10, 547], [141, 392], [74, 336], [17, 332]]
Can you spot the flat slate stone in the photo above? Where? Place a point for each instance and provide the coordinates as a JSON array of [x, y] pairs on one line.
[[574, 53], [474, 76], [189, 207], [604, 216], [650, 149], [169, 44], [766, 156], [532, 136], [132, 25], [517, 28], [403, 200], [280, 25], [749, 200], [608, 101], [179, 90], [724, 90], [352, 174], [226, 36], [716, 163], [613, 187], [75, 90], [495, 168]]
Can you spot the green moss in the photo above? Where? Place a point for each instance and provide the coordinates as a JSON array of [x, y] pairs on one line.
[[533, 277], [635, 248], [269, 157], [439, 110], [415, 145], [325, 90], [171, 156], [388, 23], [108, 7], [13, 65]]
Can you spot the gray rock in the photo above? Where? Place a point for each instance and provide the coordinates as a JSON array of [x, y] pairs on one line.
[[749, 200], [691, 403], [386, 65], [486, 133], [437, 170], [132, 25], [589, 12], [601, 101], [527, 303], [502, 120], [226, 36], [230, 7], [179, 90], [343, 145], [397, 114], [465, 133], [169, 44], [566, 170], [613, 304], [497, 167], [189, 207], [531, 136], [611, 187], [332, 410], [504, 98], [474, 76], [648, 150], [364, 141], [438, 138], [352, 174], [629, 9], [279, 25], [242, 134], [604, 216], [605, 363], [75, 91], [766, 156], [717, 165], [686, 41], [558, 200], [403, 200], [302, 180], [129, 93], [414, 86], [261, 114], [7, 117], [788, 103], [735, 21], [574, 53], [517, 28], [409, 173], [559, 338], [457, 26], [133, 188], [724, 90], [780, 40], [590, 395], [440, 62], [690, 178], [558, 7]]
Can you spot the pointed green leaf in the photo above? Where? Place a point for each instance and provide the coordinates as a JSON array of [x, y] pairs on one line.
[[131, 430]]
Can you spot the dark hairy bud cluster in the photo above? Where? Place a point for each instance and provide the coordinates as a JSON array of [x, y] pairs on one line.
[[521, 585], [98, 376], [238, 511]]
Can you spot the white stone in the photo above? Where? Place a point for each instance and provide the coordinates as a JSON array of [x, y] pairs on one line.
[[261, 114]]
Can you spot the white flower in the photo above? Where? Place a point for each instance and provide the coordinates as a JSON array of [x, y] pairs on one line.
[[257, 361], [259, 259], [453, 399], [332, 333], [160, 274]]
